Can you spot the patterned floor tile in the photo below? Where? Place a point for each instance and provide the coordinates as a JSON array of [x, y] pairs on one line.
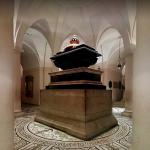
[[30, 135]]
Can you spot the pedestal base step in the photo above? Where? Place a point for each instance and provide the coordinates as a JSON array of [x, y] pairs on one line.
[[83, 113], [79, 129]]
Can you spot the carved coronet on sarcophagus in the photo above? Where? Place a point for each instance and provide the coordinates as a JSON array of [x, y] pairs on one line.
[[76, 101]]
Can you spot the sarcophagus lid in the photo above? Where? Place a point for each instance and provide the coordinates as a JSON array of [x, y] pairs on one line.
[[74, 57]]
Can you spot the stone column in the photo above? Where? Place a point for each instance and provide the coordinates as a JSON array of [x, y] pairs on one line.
[[128, 85], [141, 79], [6, 75], [17, 81]]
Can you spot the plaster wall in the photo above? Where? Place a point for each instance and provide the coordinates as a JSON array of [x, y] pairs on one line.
[[114, 76], [39, 83], [35, 72]]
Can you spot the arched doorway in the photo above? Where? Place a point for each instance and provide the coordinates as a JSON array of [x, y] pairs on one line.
[[36, 65], [111, 45]]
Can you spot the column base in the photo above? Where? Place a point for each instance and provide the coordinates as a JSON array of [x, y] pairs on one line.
[[127, 113], [17, 111], [83, 130]]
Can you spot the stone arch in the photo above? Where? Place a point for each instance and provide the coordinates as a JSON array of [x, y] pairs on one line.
[[106, 29], [30, 63], [123, 33], [124, 53], [31, 51], [133, 32], [101, 32], [39, 24], [108, 38], [113, 56], [42, 26], [20, 35]]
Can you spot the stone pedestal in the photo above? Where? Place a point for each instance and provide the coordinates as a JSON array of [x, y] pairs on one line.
[[75, 101], [83, 113]]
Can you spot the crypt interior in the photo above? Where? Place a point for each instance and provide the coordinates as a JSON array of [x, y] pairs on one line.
[[110, 112]]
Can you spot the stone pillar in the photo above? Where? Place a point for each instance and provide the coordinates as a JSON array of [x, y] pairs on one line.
[[17, 82], [6, 75], [141, 79], [128, 85]]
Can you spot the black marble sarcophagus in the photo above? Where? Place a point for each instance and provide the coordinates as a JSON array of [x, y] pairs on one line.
[[76, 75], [80, 56]]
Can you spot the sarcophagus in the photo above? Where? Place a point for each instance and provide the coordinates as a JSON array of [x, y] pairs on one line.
[[80, 56], [76, 101]]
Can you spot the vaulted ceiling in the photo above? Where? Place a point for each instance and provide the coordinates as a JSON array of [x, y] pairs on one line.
[[99, 23]]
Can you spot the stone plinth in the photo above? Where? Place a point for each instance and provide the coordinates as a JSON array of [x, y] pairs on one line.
[[76, 78], [83, 113]]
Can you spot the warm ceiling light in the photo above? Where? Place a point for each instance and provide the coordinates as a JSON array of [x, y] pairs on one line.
[[119, 65]]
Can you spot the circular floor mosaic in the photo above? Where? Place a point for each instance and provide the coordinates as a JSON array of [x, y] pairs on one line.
[[30, 135]]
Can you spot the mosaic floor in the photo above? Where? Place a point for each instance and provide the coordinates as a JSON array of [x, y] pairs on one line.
[[30, 135]]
